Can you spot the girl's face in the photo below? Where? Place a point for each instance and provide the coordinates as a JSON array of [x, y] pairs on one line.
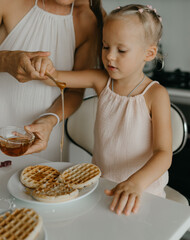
[[124, 48]]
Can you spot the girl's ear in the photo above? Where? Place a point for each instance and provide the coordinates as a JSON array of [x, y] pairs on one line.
[[151, 53]]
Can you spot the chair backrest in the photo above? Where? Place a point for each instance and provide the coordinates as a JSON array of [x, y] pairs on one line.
[[79, 127], [179, 129]]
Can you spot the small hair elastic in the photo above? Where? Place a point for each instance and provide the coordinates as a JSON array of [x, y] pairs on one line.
[[140, 10], [151, 9], [160, 19], [53, 114]]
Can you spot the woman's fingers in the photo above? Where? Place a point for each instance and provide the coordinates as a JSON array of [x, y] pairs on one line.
[[42, 133], [38, 64], [38, 146], [27, 67], [45, 67], [42, 65]]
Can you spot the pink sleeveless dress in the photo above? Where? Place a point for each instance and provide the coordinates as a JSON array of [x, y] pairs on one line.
[[123, 137]]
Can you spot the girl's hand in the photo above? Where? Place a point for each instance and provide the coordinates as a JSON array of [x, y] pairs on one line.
[[126, 197], [42, 65]]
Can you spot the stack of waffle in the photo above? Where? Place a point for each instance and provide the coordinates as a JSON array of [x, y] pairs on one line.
[[49, 185]]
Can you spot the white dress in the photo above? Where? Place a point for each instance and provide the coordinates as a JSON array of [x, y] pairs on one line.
[[22, 103]]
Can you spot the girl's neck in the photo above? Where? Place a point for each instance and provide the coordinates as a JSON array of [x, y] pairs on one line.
[[125, 86]]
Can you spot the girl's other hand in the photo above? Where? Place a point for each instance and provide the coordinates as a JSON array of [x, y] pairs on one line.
[[126, 198], [43, 65]]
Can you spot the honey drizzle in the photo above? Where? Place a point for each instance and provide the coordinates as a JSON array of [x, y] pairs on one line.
[[62, 135], [61, 86]]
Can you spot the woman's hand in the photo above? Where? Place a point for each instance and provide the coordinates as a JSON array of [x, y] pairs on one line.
[[126, 197], [41, 128], [19, 65]]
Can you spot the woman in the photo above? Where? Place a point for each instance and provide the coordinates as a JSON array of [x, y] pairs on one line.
[[66, 30]]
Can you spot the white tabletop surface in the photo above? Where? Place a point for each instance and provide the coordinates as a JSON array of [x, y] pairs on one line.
[[90, 218]]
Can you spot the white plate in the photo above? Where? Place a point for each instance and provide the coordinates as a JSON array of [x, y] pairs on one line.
[[42, 235], [17, 189]]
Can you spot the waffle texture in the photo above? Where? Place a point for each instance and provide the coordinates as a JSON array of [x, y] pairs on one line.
[[53, 192], [34, 176], [21, 224], [80, 175]]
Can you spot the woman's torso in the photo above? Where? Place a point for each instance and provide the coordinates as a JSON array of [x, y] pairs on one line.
[[123, 136], [37, 31]]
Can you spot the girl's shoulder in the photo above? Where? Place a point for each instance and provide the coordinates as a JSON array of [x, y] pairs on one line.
[[101, 80], [157, 90], [156, 94], [154, 88]]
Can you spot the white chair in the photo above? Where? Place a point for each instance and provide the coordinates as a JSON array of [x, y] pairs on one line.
[[79, 129], [179, 129]]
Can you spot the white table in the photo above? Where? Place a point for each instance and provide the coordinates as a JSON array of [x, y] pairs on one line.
[[90, 218]]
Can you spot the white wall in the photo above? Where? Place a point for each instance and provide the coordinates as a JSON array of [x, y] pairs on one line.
[[176, 22]]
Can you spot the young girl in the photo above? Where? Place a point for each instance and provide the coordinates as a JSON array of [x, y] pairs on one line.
[[133, 140]]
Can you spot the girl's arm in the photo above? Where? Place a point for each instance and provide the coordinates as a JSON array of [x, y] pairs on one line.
[[94, 78], [83, 79], [162, 138], [127, 194]]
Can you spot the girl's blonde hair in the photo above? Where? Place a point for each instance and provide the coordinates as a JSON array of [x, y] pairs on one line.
[[148, 16]]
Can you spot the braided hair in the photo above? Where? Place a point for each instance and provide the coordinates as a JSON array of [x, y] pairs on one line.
[[147, 15]]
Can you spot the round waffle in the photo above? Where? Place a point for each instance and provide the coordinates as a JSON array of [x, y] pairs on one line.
[[34, 176], [80, 175], [54, 192], [21, 224]]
